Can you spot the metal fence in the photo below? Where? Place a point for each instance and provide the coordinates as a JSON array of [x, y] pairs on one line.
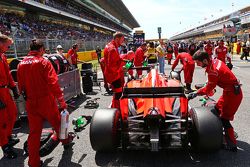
[[21, 46]]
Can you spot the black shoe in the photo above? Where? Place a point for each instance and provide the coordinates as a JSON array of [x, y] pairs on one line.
[[13, 140], [230, 148], [41, 163], [17, 125], [8, 152]]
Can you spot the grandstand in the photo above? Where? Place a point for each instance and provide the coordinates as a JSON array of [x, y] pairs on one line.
[[213, 29], [88, 23]]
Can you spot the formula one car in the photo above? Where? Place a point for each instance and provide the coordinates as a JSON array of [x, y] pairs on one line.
[[154, 114]]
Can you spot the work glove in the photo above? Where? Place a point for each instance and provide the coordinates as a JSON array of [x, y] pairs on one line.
[[128, 65], [62, 103], [15, 92], [145, 63], [2, 105], [192, 95]]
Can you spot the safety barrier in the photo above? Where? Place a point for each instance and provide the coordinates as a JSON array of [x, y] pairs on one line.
[[70, 83]]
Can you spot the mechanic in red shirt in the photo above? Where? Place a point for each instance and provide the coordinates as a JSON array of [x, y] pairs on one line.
[[238, 47], [176, 45], [188, 67], [113, 69], [139, 56], [221, 52], [209, 48], [170, 51], [227, 105], [38, 81], [8, 110], [73, 56]]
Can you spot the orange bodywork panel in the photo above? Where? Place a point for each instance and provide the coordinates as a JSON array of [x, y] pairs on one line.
[[143, 105]]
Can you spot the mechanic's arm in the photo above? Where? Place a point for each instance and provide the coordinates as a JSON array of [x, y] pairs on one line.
[[175, 62], [11, 84], [10, 79], [52, 80], [211, 84]]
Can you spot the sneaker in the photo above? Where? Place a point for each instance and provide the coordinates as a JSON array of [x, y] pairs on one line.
[[8, 152], [13, 140]]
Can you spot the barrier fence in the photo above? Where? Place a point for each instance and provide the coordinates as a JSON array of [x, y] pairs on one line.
[[21, 46]]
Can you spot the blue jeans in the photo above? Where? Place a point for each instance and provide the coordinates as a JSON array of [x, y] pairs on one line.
[[161, 64]]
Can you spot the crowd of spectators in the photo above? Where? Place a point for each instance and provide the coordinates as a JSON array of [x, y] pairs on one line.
[[30, 26], [78, 10]]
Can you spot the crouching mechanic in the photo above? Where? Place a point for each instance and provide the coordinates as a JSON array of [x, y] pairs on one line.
[[113, 70], [8, 110], [227, 105], [38, 81], [188, 67]]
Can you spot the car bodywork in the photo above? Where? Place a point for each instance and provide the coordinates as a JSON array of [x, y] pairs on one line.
[[154, 114]]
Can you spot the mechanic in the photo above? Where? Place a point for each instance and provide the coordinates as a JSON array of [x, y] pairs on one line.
[[221, 53], [228, 103], [170, 51], [72, 55], [188, 67], [238, 46], [113, 70], [209, 48], [192, 49], [140, 56], [176, 46], [38, 82], [8, 110]]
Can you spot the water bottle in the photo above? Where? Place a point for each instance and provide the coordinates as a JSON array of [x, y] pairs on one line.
[[63, 134]]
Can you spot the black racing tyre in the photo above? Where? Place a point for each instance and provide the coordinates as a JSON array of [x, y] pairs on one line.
[[86, 66], [13, 67], [14, 63], [105, 130], [206, 133]]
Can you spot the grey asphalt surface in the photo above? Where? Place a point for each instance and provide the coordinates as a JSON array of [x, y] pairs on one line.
[[81, 153]]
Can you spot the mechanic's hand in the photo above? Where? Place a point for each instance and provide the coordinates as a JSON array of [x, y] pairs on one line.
[[62, 103], [192, 95], [15, 92]]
